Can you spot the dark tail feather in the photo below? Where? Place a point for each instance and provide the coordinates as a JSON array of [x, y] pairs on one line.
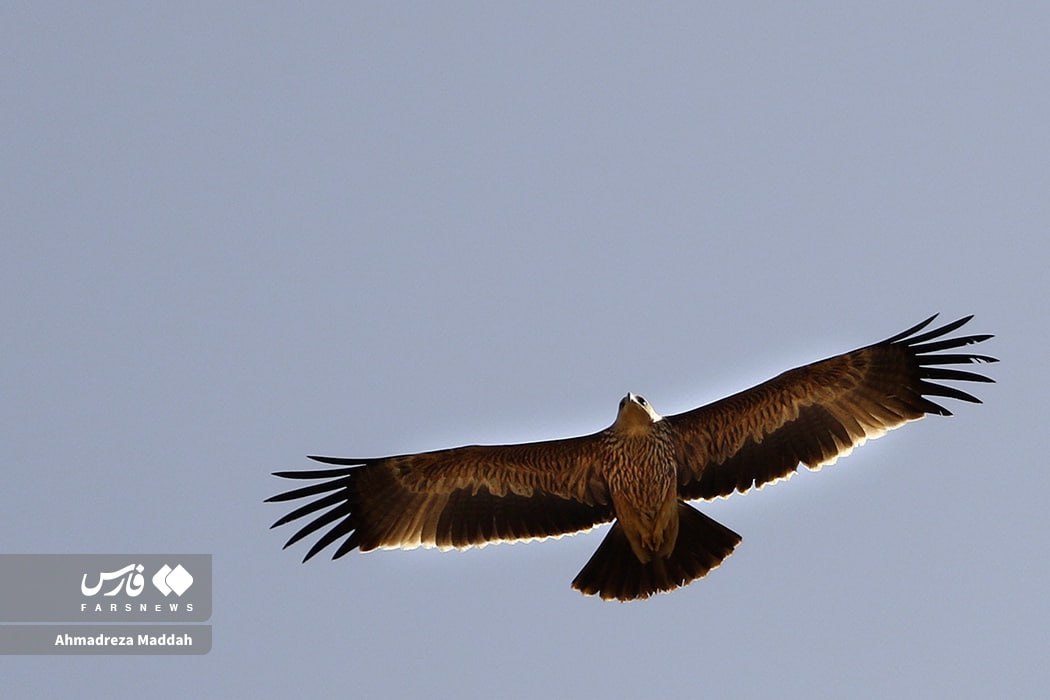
[[614, 572]]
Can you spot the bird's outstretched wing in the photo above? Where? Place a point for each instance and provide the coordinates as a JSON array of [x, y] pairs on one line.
[[458, 497], [817, 413]]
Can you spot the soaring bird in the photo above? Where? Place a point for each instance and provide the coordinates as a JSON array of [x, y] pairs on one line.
[[639, 472]]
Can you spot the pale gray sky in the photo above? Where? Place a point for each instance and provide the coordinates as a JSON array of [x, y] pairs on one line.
[[235, 236]]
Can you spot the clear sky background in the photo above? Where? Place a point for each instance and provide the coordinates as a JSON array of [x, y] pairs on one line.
[[234, 236]]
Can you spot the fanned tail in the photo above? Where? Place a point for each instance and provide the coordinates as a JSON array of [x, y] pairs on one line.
[[615, 573]]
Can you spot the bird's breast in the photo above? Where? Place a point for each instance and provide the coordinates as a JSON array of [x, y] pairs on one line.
[[641, 476]]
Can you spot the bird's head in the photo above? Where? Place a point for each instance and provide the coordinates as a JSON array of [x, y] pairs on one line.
[[635, 414]]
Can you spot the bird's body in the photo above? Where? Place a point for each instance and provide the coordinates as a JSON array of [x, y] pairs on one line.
[[638, 472], [641, 475]]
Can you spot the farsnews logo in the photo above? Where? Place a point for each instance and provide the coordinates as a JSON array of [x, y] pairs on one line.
[[128, 587], [169, 580], [129, 579]]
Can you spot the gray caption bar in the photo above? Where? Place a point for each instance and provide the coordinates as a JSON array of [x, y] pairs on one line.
[[105, 639]]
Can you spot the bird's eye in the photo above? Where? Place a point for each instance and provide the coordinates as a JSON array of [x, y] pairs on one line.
[[641, 401]]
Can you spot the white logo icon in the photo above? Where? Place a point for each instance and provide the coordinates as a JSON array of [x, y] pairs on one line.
[[129, 578], [169, 580]]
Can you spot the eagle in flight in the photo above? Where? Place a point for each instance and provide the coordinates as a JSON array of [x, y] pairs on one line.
[[639, 472]]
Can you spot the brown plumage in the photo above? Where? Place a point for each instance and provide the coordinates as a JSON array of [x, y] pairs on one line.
[[639, 471]]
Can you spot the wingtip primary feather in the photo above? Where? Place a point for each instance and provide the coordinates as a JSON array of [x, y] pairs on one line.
[[338, 460], [313, 474], [955, 375], [914, 329]]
